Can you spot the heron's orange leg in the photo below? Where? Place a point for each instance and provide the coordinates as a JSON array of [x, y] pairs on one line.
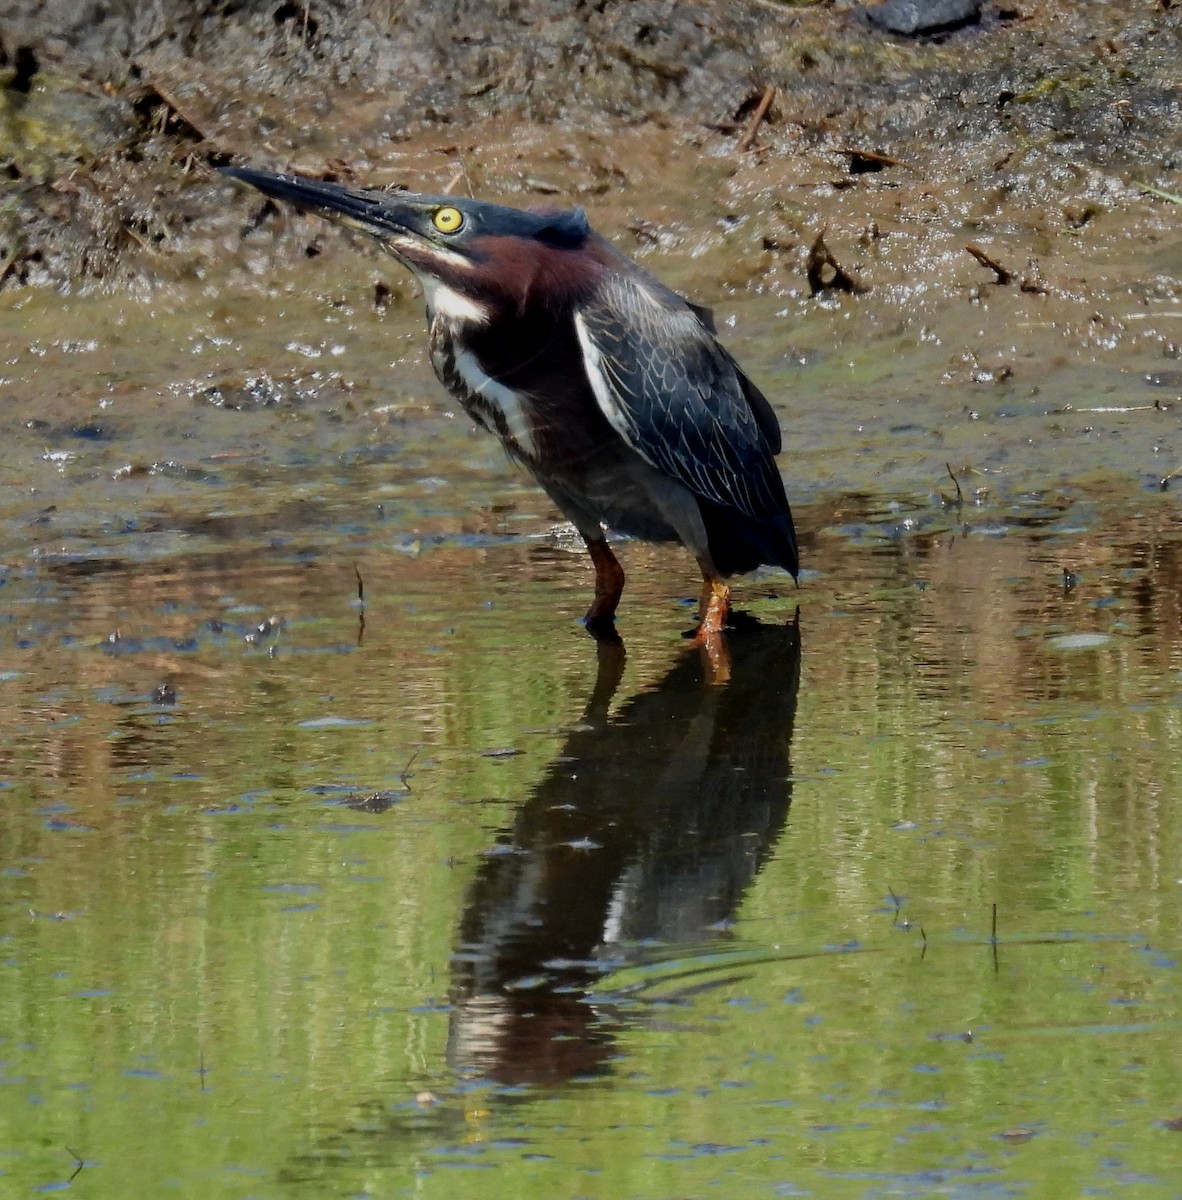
[[716, 604], [711, 634], [609, 585]]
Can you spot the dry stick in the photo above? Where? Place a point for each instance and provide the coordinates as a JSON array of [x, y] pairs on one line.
[[137, 238], [152, 84], [79, 1163], [993, 941], [1003, 276], [1156, 406], [404, 775], [1172, 196], [460, 174], [467, 179], [820, 257], [897, 901], [956, 484], [361, 602], [873, 156], [451, 185], [765, 102]]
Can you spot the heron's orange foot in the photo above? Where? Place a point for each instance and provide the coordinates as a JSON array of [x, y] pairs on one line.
[[716, 656], [713, 624], [716, 608], [711, 633]]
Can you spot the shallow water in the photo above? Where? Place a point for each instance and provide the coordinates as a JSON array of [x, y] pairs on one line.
[[337, 860]]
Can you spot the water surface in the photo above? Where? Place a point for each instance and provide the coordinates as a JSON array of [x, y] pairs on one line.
[[337, 860]]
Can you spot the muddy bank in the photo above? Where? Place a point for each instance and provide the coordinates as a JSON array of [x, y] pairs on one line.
[[1031, 120]]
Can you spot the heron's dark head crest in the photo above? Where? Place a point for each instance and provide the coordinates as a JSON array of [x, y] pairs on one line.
[[567, 228]]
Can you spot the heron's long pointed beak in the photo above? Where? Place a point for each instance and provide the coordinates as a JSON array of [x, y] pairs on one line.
[[368, 212]]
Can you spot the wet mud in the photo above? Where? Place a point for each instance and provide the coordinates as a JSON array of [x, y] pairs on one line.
[[1029, 125]]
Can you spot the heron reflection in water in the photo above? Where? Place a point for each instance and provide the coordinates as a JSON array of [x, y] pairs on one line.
[[648, 828]]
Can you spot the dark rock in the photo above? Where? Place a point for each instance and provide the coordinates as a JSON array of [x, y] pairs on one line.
[[918, 18]]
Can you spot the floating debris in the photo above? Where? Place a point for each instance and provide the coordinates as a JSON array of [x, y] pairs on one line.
[[1079, 641]]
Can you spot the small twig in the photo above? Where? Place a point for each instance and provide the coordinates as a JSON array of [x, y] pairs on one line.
[[757, 117], [924, 951], [360, 604], [175, 107], [820, 259], [644, 232], [1156, 406], [898, 903], [956, 484], [404, 775], [874, 160], [137, 238], [79, 1163], [1003, 276], [1173, 197], [993, 941], [460, 174], [467, 180]]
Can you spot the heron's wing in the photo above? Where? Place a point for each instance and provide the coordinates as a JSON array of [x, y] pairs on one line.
[[677, 398]]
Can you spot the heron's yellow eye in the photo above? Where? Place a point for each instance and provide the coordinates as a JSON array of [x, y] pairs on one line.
[[448, 220]]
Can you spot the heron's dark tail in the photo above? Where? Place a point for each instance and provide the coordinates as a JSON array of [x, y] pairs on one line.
[[740, 543]]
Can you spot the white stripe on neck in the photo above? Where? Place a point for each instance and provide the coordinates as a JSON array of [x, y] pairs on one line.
[[446, 302], [504, 399]]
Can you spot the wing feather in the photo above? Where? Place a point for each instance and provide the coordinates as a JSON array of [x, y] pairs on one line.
[[677, 398]]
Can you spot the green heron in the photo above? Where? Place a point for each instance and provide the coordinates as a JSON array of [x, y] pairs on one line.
[[608, 387]]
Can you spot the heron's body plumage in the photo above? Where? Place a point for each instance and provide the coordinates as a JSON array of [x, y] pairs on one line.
[[611, 389]]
